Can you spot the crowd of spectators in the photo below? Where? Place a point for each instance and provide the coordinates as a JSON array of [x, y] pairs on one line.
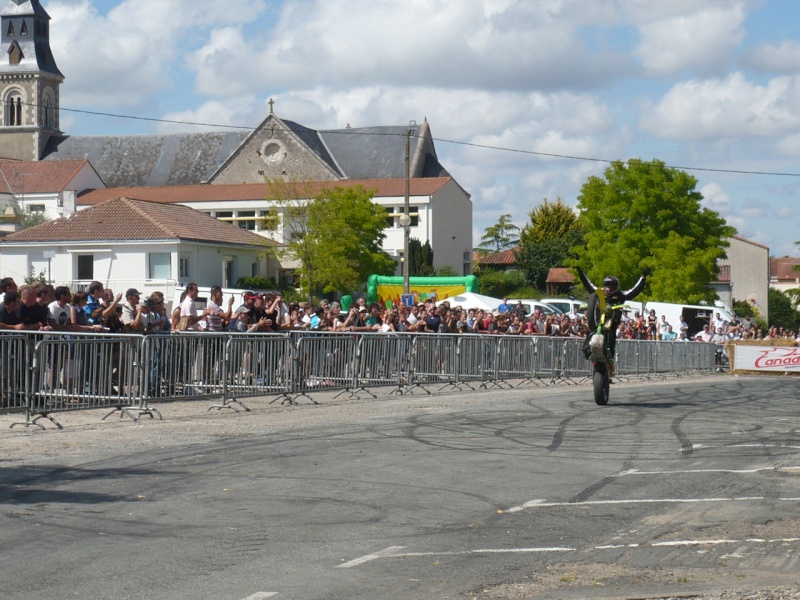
[[42, 307]]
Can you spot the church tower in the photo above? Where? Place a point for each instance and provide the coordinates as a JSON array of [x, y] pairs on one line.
[[29, 81]]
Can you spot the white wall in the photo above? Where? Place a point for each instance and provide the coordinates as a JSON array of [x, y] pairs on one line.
[[451, 227]]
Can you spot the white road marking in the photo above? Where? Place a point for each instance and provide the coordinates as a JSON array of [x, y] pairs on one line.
[[691, 471], [487, 551], [700, 543], [390, 551], [262, 596], [514, 509]]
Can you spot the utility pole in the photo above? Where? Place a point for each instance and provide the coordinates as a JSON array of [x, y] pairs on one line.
[[405, 218]]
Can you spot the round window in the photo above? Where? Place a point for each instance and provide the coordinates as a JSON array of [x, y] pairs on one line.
[[272, 151]]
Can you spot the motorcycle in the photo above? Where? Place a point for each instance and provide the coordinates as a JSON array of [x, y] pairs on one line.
[[601, 356]]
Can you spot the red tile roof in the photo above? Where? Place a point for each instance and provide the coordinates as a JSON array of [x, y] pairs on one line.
[[724, 275], [123, 219], [782, 269], [38, 177], [506, 257], [260, 191], [560, 275]]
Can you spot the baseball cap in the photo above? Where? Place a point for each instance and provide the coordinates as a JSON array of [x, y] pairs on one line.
[[250, 295], [132, 292]]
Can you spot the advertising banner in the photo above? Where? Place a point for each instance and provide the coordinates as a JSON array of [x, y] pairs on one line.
[[420, 293], [767, 358]]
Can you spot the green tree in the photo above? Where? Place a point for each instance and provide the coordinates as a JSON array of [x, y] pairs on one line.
[[547, 240], [500, 236], [335, 235], [644, 214], [782, 311], [33, 218], [420, 258]]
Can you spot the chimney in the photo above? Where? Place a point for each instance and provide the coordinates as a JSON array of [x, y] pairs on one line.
[[70, 202]]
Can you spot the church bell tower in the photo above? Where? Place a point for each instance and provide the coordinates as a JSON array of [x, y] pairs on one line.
[[29, 81]]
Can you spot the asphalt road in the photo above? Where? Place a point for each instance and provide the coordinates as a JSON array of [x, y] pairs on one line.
[[675, 487]]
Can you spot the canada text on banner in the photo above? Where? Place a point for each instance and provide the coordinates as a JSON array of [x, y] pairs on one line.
[[767, 358]]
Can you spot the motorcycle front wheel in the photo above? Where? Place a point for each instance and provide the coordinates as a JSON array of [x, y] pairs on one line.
[[601, 386]]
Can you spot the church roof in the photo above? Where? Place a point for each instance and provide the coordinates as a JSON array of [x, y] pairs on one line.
[[21, 8], [260, 191], [124, 219], [149, 160], [36, 56], [192, 158]]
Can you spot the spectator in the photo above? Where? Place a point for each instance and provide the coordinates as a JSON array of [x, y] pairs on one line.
[[188, 315], [216, 320], [669, 335], [663, 327], [7, 284], [29, 311], [133, 318], [9, 319], [704, 336], [504, 307], [683, 328]]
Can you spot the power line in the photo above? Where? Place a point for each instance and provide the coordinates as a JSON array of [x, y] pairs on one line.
[[442, 140]]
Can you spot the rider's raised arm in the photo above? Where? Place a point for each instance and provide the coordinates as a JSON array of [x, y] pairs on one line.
[[590, 287], [637, 289]]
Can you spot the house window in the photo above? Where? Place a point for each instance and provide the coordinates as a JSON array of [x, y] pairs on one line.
[[254, 269], [244, 221], [183, 267], [24, 29], [159, 265], [224, 214], [85, 267], [389, 216], [10, 32], [36, 208]]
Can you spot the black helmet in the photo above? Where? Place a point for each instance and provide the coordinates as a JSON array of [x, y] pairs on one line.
[[611, 282]]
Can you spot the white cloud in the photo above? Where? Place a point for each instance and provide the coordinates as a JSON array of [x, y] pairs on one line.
[[465, 44], [717, 199], [699, 40], [775, 58], [730, 107], [126, 56]]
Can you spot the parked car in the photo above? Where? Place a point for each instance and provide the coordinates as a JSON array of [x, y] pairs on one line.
[[531, 305]]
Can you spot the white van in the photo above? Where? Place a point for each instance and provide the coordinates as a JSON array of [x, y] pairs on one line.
[[696, 315], [565, 305]]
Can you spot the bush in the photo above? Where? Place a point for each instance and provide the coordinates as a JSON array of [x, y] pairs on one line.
[[256, 283], [499, 283]]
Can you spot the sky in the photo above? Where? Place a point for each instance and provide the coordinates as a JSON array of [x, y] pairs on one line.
[[526, 99]]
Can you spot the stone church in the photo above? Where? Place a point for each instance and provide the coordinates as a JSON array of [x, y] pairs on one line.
[[277, 149]]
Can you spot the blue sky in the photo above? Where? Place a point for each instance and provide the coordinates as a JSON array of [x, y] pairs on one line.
[[708, 84]]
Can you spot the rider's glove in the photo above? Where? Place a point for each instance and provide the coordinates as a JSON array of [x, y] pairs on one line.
[[646, 271]]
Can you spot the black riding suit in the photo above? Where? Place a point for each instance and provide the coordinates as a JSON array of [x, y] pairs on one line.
[[614, 298]]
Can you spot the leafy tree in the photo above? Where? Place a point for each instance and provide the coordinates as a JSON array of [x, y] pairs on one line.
[[500, 236], [33, 218], [643, 214], [500, 283], [546, 241], [335, 235], [420, 258], [782, 311], [549, 220]]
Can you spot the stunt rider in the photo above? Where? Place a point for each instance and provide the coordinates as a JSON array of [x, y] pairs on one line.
[[612, 296]]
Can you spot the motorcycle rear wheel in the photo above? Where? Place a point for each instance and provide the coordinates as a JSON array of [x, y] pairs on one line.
[[601, 386]]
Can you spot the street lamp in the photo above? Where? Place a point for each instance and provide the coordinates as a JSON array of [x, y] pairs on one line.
[[405, 218]]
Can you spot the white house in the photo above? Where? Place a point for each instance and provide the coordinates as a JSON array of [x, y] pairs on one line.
[[134, 243], [441, 211], [49, 188]]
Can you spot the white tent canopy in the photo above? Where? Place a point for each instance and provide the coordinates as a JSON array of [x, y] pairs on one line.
[[469, 300]]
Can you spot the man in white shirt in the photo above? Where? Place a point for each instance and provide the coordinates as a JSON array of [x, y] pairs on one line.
[[189, 310], [132, 317], [704, 336], [663, 327]]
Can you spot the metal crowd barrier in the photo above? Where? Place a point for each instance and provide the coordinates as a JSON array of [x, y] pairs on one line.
[[46, 373], [15, 361]]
